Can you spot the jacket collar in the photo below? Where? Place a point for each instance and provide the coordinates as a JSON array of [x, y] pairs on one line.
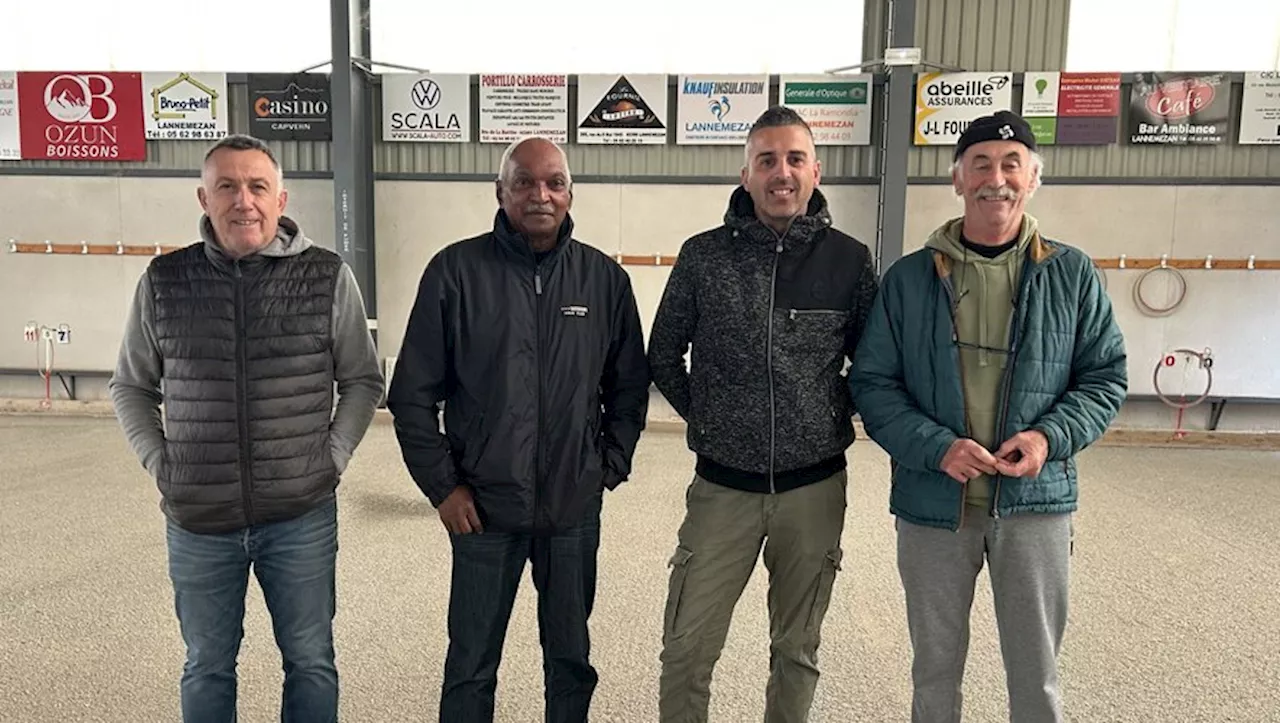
[[517, 243], [740, 217], [1039, 251]]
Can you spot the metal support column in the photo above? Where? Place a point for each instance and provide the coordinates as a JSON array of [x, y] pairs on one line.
[[352, 155], [895, 141]]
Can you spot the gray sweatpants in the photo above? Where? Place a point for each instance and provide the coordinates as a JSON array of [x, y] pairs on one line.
[[1029, 557]]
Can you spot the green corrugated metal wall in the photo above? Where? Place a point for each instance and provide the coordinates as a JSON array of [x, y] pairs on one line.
[[1029, 35], [979, 35]]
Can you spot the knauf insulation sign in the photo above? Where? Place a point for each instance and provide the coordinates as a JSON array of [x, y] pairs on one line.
[[946, 103], [720, 110]]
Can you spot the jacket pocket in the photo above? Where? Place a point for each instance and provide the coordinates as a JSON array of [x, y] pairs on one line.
[[161, 471], [474, 440], [815, 329]]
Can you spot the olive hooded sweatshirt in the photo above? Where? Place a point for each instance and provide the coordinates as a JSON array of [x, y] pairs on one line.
[[983, 296]]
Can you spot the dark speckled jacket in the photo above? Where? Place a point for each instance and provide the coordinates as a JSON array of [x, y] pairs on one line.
[[771, 320]]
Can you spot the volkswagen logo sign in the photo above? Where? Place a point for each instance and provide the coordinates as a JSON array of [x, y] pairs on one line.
[[425, 94]]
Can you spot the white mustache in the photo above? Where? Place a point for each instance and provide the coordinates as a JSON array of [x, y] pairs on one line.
[[1003, 193], [539, 209]]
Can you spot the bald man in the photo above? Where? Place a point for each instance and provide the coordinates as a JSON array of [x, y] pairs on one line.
[[532, 341]]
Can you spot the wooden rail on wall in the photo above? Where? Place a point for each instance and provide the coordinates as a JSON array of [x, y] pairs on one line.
[[1122, 262], [651, 260], [88, 249], [1207, 263]]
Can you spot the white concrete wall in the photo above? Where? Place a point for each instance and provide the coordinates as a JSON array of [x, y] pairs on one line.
[[1232, 312], [415, 220]]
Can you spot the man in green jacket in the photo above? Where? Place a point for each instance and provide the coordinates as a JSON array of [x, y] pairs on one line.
[[990, 359]]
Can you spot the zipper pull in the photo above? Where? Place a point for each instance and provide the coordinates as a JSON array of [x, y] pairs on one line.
[[793, 314], [537, 283]]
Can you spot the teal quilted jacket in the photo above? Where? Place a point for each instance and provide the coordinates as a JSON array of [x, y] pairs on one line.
[[1067, 379]]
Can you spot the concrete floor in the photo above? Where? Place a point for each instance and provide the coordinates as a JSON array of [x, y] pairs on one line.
[[1175, 611]]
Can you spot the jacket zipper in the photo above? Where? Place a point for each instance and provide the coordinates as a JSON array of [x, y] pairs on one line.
[[537, 382], [964, 394], [773, 411], [795, 312], [242, 403], [1006, 383]]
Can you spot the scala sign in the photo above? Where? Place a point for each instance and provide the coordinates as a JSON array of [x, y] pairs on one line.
[[81, 116], [426, 108]]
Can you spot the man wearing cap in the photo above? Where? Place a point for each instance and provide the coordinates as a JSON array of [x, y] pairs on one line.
[[990, 359]]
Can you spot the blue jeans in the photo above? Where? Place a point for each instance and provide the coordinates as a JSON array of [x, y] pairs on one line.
[[486, 573], [294, 562]]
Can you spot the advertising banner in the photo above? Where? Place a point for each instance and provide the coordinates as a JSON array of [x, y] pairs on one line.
[[1260, 109], [1179, 109], [836, 107], [10, 137], [1072, 108], [426, 107], [946, 103], [77, 116], [185, 106], [513, 106], [719, 110], [622, 109], [290, 107]]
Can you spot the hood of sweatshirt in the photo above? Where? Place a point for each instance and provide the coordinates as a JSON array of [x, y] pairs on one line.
[[973, 273], [289, 241], [740, 217]]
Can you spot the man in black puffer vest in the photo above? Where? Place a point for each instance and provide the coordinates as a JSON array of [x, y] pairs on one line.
[[532, 341], [773, 302], [242, 337]]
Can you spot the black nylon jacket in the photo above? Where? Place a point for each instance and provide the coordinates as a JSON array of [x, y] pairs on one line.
[[541, 368]]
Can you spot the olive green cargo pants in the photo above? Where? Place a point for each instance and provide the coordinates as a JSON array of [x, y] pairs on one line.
[[719, 543]]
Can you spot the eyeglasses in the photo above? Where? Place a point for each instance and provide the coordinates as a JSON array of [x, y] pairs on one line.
[[977, 347], [955, 333]]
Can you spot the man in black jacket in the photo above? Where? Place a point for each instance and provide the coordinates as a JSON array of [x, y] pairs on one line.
[[773, 302], [532, 340]]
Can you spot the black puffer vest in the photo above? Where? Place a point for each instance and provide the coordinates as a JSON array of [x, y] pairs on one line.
[[248, 385]]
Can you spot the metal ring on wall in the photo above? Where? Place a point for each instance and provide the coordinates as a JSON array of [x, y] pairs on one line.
[[1168, 360], [1150, 310]]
